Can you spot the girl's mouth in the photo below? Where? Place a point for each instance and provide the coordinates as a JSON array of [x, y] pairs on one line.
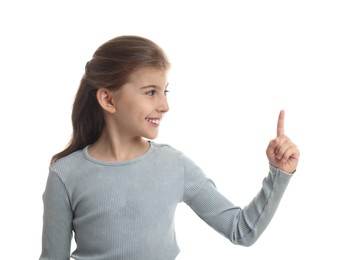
[[153, 121]]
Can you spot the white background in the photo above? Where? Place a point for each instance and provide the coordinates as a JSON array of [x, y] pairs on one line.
[[235, 65]]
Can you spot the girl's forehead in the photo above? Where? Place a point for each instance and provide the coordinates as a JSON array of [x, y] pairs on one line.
[[148, 75]]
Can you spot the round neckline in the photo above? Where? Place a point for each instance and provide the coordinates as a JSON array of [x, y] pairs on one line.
[[119, 163]]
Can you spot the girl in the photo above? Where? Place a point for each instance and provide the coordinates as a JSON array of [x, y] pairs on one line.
[[118, 191]]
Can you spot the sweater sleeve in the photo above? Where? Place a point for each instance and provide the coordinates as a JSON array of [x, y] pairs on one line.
[[57, 220], [240, 226]]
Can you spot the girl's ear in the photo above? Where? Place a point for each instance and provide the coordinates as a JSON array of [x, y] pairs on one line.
[[105, 99]]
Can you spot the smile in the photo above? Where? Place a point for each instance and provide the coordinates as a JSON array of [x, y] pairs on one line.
[[153, 121]]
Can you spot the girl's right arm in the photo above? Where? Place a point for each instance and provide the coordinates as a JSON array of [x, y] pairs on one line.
[[57, 220]]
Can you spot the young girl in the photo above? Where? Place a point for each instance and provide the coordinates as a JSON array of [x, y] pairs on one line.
[[117, 190]]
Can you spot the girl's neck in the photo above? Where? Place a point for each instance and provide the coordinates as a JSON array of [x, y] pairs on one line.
[[110, 149]]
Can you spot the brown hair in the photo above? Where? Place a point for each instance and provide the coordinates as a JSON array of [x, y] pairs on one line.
[[110, 67]]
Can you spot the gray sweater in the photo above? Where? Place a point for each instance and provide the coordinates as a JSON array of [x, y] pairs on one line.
[[125, 210]]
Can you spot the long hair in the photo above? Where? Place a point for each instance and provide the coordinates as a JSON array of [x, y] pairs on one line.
[[110, 67]]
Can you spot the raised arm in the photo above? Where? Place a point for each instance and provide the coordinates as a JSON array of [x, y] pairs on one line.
[[244, 225]]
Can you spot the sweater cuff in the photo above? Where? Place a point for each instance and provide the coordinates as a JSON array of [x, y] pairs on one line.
[[275, 170]]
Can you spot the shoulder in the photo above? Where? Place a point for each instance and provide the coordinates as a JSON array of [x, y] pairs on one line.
[[167, 155], [193, 176], [166, 150], [68, 160], [68, 165]]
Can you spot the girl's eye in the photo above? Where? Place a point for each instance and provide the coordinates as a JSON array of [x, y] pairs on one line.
[[150, 93]]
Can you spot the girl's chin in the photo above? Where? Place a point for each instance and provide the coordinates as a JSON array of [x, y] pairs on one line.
[[151, 137]]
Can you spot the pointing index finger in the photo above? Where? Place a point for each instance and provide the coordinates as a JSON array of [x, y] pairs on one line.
[[280, 125]]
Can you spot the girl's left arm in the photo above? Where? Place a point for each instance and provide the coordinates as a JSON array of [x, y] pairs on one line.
[[244, 225]]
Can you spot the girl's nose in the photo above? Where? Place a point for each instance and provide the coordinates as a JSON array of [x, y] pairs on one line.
[[163, 105]]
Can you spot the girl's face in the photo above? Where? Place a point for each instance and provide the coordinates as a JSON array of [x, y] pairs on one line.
[[141, 103]]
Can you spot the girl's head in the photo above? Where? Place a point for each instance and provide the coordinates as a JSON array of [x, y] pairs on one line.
[[110, 67], [115, 60]]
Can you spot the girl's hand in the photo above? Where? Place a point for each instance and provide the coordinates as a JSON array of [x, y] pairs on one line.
[[281, 152]]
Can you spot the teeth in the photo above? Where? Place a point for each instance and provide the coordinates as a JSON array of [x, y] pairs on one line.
[[153, 121]]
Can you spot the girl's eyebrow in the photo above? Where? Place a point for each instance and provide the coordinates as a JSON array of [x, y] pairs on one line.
[[153, 86]]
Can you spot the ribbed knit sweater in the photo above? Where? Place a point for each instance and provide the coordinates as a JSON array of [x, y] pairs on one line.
[[125, 210]]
